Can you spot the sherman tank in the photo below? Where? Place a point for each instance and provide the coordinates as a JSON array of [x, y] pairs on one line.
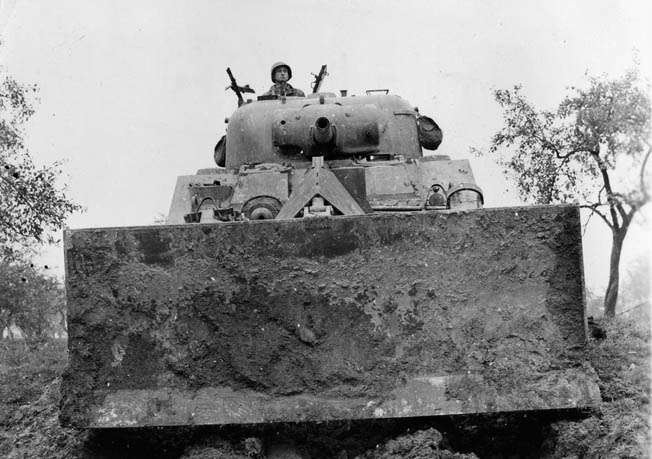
[[326, 269], [324, 155]]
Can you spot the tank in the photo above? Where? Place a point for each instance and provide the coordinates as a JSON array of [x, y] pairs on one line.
[[357, 155], [326, 269]]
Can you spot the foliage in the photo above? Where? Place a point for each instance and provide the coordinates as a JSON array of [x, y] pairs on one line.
[[31, 203], [560, 156], [593, 150], [31, 301], [32, 206]]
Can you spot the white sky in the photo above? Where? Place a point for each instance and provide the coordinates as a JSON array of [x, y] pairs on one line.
[[132, 92]]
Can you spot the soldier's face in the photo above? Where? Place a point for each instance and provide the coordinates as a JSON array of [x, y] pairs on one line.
[[281, 74]]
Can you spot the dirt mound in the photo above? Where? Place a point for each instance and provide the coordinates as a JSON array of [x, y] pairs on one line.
[[29, 402], [620, 427], [621, 430], [36, 429], [425, 444]]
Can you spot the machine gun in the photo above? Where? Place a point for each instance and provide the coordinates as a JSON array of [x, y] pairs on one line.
[[238, 90], [319, 79]]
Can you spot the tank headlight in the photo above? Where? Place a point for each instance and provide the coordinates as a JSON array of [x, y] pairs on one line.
[[436, 196]]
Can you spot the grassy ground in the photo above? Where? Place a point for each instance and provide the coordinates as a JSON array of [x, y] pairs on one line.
[[29, 397], [619, 428]]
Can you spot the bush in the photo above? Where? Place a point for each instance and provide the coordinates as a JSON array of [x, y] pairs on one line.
[[32, 302]]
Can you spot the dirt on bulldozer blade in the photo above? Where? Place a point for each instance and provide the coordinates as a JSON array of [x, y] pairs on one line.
[[381, 316]]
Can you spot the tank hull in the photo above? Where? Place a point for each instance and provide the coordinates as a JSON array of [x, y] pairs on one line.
[[377, 316]]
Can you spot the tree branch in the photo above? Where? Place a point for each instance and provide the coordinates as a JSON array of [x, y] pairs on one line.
[[594, 209], [614, 204], [646, 195], [11, 227], [548, 144], [586, 226]]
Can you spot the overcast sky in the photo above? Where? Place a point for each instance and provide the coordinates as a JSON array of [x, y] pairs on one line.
[[132, 92]]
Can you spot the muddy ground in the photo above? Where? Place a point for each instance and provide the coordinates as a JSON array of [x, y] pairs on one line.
[[618, 428]]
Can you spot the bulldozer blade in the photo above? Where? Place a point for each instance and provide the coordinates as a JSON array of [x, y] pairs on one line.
[[359, 317]]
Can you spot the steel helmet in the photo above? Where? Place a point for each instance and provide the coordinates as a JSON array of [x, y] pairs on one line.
[[281, 64]]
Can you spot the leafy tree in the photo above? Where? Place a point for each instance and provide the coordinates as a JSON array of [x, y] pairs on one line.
[[594, 150], [31, 203], [32, 206], [30, 301]]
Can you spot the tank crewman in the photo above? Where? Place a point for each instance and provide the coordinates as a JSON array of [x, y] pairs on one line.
[[281, 74]]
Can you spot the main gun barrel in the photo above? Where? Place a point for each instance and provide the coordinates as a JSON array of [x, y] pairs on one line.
[[323, 131]]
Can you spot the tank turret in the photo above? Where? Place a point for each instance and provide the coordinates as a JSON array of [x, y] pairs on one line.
[[371, 149]]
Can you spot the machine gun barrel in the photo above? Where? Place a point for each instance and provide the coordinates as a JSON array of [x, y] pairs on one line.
[[323, 131], [319, 79], [238, 90]]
